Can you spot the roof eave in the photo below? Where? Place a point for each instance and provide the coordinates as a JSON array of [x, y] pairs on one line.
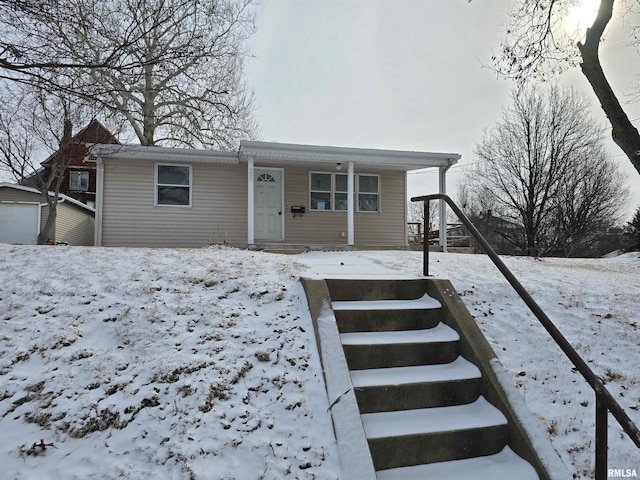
[[163, 154], [406, 160]]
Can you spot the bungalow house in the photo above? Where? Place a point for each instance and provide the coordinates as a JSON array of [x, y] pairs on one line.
[[23, 212], [262, 196]]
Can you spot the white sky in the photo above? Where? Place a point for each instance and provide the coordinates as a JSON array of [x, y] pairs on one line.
[[401, 74], [397, 74]]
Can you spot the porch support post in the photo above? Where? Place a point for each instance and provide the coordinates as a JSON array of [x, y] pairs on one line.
[[443, 207], [350, 205], [250, 202]]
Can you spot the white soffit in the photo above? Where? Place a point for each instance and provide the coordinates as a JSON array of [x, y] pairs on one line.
[[163, 154], [406, 160]]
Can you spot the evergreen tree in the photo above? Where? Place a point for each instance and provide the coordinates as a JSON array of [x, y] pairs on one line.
[[632, 229]]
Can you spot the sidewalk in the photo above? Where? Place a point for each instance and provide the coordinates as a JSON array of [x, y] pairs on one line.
[[346, 265]]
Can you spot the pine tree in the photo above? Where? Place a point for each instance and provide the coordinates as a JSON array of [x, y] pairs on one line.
[[632, 229]]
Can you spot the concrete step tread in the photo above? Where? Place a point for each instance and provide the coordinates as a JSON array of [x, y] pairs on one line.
[[476, 415], [424, 303], [459, 369], [437, 334], [505, 465]]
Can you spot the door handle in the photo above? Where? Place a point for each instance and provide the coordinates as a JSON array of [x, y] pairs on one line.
[[280, 210]]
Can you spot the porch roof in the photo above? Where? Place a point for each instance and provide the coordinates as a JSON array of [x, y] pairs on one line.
[[281, 154], [287, 153]]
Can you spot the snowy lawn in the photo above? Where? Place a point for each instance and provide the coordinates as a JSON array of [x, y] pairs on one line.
[[192, 364], [164, 364]]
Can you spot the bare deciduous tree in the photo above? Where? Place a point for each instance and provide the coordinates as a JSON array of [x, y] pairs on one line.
[[537, 46], [544, 153], [19, 144], [32, 53], [173, 69], [34, 123], [589, 202], [187, 85]]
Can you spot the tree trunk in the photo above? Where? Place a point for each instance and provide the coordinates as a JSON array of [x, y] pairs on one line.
[[56, 175], [623, 131], [46, 233]]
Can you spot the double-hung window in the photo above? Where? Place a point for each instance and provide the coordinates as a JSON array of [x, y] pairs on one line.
[[340, 194], [173, 185], [368, 193], [321, 189], [328, 192], [78, 181]]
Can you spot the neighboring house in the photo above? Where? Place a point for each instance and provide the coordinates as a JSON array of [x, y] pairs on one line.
[[79, 180], [23, 213], [262, 195]]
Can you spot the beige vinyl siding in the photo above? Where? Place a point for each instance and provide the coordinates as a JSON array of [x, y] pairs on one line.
[[389, 226], [218, 213], [74, 225], [14, 195], [384, 228]]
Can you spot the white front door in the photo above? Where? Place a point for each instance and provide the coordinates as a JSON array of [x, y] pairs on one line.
[[268, 202]]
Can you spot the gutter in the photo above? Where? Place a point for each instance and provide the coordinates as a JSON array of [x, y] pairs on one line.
[[97, 240], [97, 232]]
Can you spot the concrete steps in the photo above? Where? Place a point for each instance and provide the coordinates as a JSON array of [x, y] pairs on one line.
[[505, 465], [421, 386], [421, 401]]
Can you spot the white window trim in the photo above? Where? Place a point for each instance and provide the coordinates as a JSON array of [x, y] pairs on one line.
[[330, 191], [356, 192], [72, 173], [155, 184]]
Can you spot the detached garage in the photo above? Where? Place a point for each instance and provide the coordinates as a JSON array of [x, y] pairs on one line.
[[19, 222], [23, 213]]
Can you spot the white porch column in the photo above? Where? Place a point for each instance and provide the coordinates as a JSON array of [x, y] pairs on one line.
[[350, 205], [250, 202], [443, 207]]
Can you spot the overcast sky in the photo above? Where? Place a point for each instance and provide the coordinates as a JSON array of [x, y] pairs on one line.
[[397, 74]]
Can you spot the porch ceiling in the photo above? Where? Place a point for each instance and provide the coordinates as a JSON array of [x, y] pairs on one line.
[[282, 154]]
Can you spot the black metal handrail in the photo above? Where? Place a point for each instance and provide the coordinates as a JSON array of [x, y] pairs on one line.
[[605, 402]]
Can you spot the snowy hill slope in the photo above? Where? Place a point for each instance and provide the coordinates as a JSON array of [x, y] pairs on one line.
[[176, 364], [191, 364]]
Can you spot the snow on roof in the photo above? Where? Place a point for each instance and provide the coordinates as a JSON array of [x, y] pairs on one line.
[[61, 196]]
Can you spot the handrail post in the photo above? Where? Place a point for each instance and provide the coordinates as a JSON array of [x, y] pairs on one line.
[[425, 240], [602, 435]]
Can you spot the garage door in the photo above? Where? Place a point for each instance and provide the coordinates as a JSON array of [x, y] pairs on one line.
[[19, 223]]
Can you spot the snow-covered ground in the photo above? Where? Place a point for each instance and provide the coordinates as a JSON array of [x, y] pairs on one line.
[[192, 364]]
